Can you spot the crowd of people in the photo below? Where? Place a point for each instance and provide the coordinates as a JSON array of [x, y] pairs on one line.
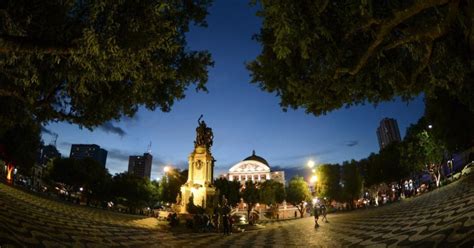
[[208, 223]]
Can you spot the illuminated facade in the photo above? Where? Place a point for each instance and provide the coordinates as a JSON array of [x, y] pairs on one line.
[[254, 168]]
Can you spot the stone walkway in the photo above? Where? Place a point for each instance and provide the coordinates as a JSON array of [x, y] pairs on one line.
[[442, 218]]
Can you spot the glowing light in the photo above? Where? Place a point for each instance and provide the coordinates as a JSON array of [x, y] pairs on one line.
[[314, 179], [314, 170], [81, 189], [311, 164], [9, 172], [166, 169], [430, 126]]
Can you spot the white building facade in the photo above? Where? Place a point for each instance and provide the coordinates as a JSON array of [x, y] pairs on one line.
[[256, 169]]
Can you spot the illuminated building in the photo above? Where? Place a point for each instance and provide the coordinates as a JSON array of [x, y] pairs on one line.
[[254, 168]]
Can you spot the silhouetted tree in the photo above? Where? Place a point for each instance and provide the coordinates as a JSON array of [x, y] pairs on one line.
[[59, 60], [322, 55]]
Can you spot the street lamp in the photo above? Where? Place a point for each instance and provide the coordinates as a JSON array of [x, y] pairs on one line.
[[430, 126], [311, 164]]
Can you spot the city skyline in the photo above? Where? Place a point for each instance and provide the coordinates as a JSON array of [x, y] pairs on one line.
[[243, 117]]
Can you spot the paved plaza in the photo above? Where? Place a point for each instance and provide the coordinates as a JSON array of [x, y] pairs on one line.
[[442, 218]]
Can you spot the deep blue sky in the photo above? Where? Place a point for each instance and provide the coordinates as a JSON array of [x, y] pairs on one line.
[[242, 116]]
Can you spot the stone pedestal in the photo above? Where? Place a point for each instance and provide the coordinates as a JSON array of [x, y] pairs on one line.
[[200, 175]]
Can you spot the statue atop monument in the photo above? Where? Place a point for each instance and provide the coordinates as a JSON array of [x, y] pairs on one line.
[[201, 170], [204, 135]]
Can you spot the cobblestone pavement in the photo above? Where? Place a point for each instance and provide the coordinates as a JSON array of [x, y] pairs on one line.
[[442, 218]]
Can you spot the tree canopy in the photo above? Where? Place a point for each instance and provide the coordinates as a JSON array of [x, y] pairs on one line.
[[272, 192], [228, 189], [170, 185], [297, 193], [451, 121], [322, 55], [251, 195], [352, 181], [81, 173], [132, 191], [329, 177], [87, 62], [19, 145]]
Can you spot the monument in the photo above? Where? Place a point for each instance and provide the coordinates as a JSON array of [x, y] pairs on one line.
[[201, 169]]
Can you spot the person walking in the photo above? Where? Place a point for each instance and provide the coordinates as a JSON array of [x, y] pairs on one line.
[[316, 217], [324, 212]]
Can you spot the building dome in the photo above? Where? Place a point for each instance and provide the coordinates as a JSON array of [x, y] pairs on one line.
[[257, 158]]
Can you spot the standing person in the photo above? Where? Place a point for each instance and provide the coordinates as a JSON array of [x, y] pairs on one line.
[[316, 217], [296, 214], [216, 222], [231, 222], [225, 222]]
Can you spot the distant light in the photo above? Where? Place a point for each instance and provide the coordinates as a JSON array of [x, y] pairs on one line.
[[81, 189], [430, 126], [314, 170], [166, 169], [311, 164], [314, 179]]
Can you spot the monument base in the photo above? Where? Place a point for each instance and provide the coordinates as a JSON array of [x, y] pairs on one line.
[[201, 195]]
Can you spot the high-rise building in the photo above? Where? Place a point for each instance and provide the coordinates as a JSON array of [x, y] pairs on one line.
[[388, 132], [140, 165], [81, 151], [48, 153]]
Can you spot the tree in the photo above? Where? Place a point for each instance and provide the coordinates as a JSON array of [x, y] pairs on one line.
[[297, 193], [251, 196], [228, 189], [171, 184], [272, 193], [19, 145], [59, 60], [87, 174], [322, 55], [131, 191], [451, 121], [155, 193], [352, 181], [433, 152], [329, 177]]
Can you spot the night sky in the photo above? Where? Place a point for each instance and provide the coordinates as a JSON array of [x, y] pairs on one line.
[[243, 117]]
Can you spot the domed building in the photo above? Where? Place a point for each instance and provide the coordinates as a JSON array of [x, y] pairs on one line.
[[254, 168]]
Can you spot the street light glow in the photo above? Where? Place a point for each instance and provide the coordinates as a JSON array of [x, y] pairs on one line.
[[430, 126], [166, 169], [311, 164], [314, 179]]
